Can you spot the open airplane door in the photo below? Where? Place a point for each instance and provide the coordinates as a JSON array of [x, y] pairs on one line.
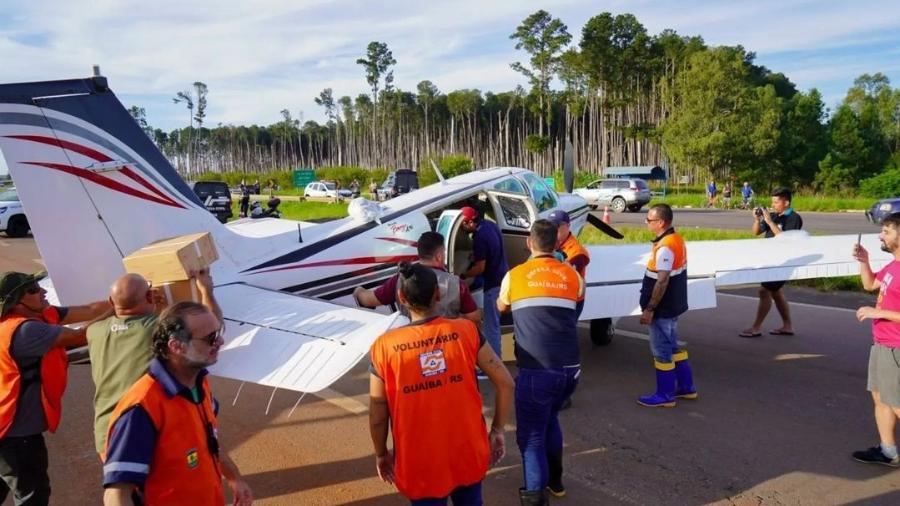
[[515, 215]]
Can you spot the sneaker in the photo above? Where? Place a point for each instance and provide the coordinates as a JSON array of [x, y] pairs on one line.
[[874, 456], [481, 376], [557, 490]]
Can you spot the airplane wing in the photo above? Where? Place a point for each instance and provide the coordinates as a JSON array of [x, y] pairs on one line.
[[613, 278], [292, 342]]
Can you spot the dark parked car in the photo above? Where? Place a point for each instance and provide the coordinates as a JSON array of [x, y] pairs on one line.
[[398, 182], [881, 209], [216, 197]]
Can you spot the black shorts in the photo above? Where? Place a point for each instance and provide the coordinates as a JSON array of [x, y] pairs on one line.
[[773, 286]]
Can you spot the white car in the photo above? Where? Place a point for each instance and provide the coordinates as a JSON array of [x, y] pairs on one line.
[[325, 189], [12, 216]]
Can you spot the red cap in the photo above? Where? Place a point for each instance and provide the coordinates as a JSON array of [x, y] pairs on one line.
[[469, 213]]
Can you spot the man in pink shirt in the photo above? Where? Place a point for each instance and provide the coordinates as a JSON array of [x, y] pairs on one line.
[[884, 372]]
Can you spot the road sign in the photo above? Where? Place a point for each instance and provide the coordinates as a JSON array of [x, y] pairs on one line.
[[303, 177]]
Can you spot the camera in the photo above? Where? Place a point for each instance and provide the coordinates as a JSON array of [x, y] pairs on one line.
[[759, 211]]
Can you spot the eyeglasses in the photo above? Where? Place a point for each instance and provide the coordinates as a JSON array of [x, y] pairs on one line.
[[212, 338], [648, 220]]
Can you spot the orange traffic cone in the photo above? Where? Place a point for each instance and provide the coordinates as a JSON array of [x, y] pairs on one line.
[[606, 218]]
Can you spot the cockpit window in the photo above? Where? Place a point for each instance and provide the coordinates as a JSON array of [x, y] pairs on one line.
[[544, 197], [511, 185]]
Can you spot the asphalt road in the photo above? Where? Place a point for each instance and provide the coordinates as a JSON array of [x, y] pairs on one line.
[[823, 223], [775, 424]]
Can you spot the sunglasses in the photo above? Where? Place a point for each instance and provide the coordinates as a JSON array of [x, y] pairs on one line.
[[212, 338], [648, 220]]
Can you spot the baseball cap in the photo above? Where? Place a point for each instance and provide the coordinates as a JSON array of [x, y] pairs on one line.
[[469, 213], [12, 284], [559, 216]]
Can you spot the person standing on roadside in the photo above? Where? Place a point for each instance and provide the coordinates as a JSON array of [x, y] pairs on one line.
[[780, 220], [246, 190], [543, 293], [119, 346], [884, 371], [422, 379], [711, 192], [747, 195], [163, 439], [33, 374], [489, 262], [664, 298]]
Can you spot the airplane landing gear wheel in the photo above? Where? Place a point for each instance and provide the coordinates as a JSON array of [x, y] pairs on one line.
[[602, 331]]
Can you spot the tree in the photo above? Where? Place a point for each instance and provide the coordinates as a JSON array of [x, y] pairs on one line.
[[544, 38], [188, 100], [376, 64], [428, 93]]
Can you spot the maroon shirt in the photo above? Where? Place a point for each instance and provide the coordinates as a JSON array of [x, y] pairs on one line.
[[387, 294]]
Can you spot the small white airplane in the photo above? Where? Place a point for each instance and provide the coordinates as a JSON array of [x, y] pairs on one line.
[[95, 189]]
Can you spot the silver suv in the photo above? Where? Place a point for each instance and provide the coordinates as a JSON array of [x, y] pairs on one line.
[[619, 194]]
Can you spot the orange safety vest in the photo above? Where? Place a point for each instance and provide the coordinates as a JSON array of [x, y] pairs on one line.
[[184, 470], [572, 249], [543, 293], [440, 438], [54, 365], [675, 301]]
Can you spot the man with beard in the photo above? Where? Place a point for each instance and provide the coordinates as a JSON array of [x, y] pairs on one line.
[[884, 371], [163, 440]]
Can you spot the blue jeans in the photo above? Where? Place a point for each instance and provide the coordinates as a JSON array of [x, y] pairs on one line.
[[664, 338], [490, 319], [539, 395], [461, 496]]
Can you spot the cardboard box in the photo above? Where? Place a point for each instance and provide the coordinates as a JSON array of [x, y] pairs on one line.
[[178, 291], [172, 259]]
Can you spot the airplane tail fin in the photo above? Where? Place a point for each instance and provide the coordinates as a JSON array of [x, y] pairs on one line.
[[93, 185]]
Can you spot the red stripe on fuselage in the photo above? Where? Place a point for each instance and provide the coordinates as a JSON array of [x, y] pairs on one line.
[[347, 261], [95, 155], [405, 242], [104, 181]]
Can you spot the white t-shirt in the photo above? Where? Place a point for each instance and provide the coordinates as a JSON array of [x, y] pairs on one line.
[[665, 259]]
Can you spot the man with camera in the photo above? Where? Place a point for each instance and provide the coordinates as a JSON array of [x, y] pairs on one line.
[[781, 219]]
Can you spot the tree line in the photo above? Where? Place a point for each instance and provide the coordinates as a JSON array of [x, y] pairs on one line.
[[626, 97]]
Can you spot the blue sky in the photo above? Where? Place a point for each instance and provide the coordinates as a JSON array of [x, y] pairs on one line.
[[263, 56]]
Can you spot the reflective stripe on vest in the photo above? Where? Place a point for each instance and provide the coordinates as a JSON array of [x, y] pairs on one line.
[[543, 293], [449, 303], [53, 367], [183, 470]]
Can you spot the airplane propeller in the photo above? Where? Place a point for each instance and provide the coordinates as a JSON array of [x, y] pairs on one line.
[[604, 227], [569, 167]]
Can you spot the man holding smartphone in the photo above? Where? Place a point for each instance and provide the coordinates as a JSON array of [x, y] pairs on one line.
[[781, 219]]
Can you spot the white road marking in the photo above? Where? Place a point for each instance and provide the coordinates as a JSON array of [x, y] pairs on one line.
[[799, 304], [797, 356]]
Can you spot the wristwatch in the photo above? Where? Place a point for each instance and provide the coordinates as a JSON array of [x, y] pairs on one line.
[[651, 307]]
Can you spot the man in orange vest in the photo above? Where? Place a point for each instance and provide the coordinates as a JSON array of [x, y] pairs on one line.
[[33, 368], [543, 293], [422, 382], [163, 434], [663, 299], [574, 253]]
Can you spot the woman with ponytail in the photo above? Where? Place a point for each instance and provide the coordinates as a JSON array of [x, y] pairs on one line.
[[423, 384]]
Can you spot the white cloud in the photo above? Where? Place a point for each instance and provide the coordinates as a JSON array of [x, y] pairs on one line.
[[263, 56]]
